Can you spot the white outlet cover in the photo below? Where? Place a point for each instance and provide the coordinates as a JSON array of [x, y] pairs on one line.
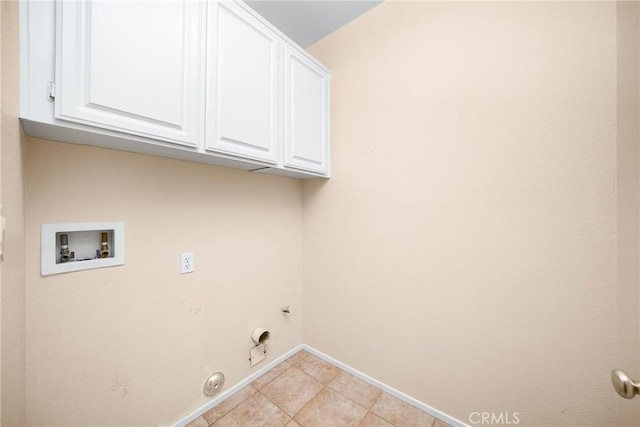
[[186, 263]]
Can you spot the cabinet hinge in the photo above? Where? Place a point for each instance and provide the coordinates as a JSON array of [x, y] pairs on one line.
[[51, 87]]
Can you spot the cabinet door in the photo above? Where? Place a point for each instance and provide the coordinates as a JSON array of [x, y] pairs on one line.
[[132, 66], [306, 107], [242, 70]]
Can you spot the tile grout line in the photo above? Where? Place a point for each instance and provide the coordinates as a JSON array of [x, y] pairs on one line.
[[276, 405], [310, 376], [350, 399], [328, 387], [388, 421], [274, 378], [234, 407], [324, 386], [306, 404], [304, 373], [247, 398], [312, 397], [344, 395], [293, 365], [369, 411]]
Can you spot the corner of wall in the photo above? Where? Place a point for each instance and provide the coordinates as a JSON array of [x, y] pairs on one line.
[[12, 270], [628, 201]]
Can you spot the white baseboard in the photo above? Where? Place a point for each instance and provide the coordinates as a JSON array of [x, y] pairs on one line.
[[387, 389], [382, 386], [222, 396]]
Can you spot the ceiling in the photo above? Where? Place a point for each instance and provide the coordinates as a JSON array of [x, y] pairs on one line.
[[307, 21]]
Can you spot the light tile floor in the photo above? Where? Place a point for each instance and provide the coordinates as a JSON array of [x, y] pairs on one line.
[[307, 391]]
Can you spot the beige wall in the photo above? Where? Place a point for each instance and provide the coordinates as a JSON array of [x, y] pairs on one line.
[[12, 276], [132, 345], [464, 251]]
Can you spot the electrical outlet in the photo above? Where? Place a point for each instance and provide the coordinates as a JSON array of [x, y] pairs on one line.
[[186, 263]]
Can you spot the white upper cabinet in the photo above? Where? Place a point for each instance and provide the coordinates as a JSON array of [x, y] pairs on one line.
[[242, 84], [306, 114], [204, 81], [132, 66]]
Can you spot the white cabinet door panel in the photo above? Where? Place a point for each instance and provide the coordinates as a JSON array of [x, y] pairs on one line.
[[132, 66], [242, 86], [306, 114]]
